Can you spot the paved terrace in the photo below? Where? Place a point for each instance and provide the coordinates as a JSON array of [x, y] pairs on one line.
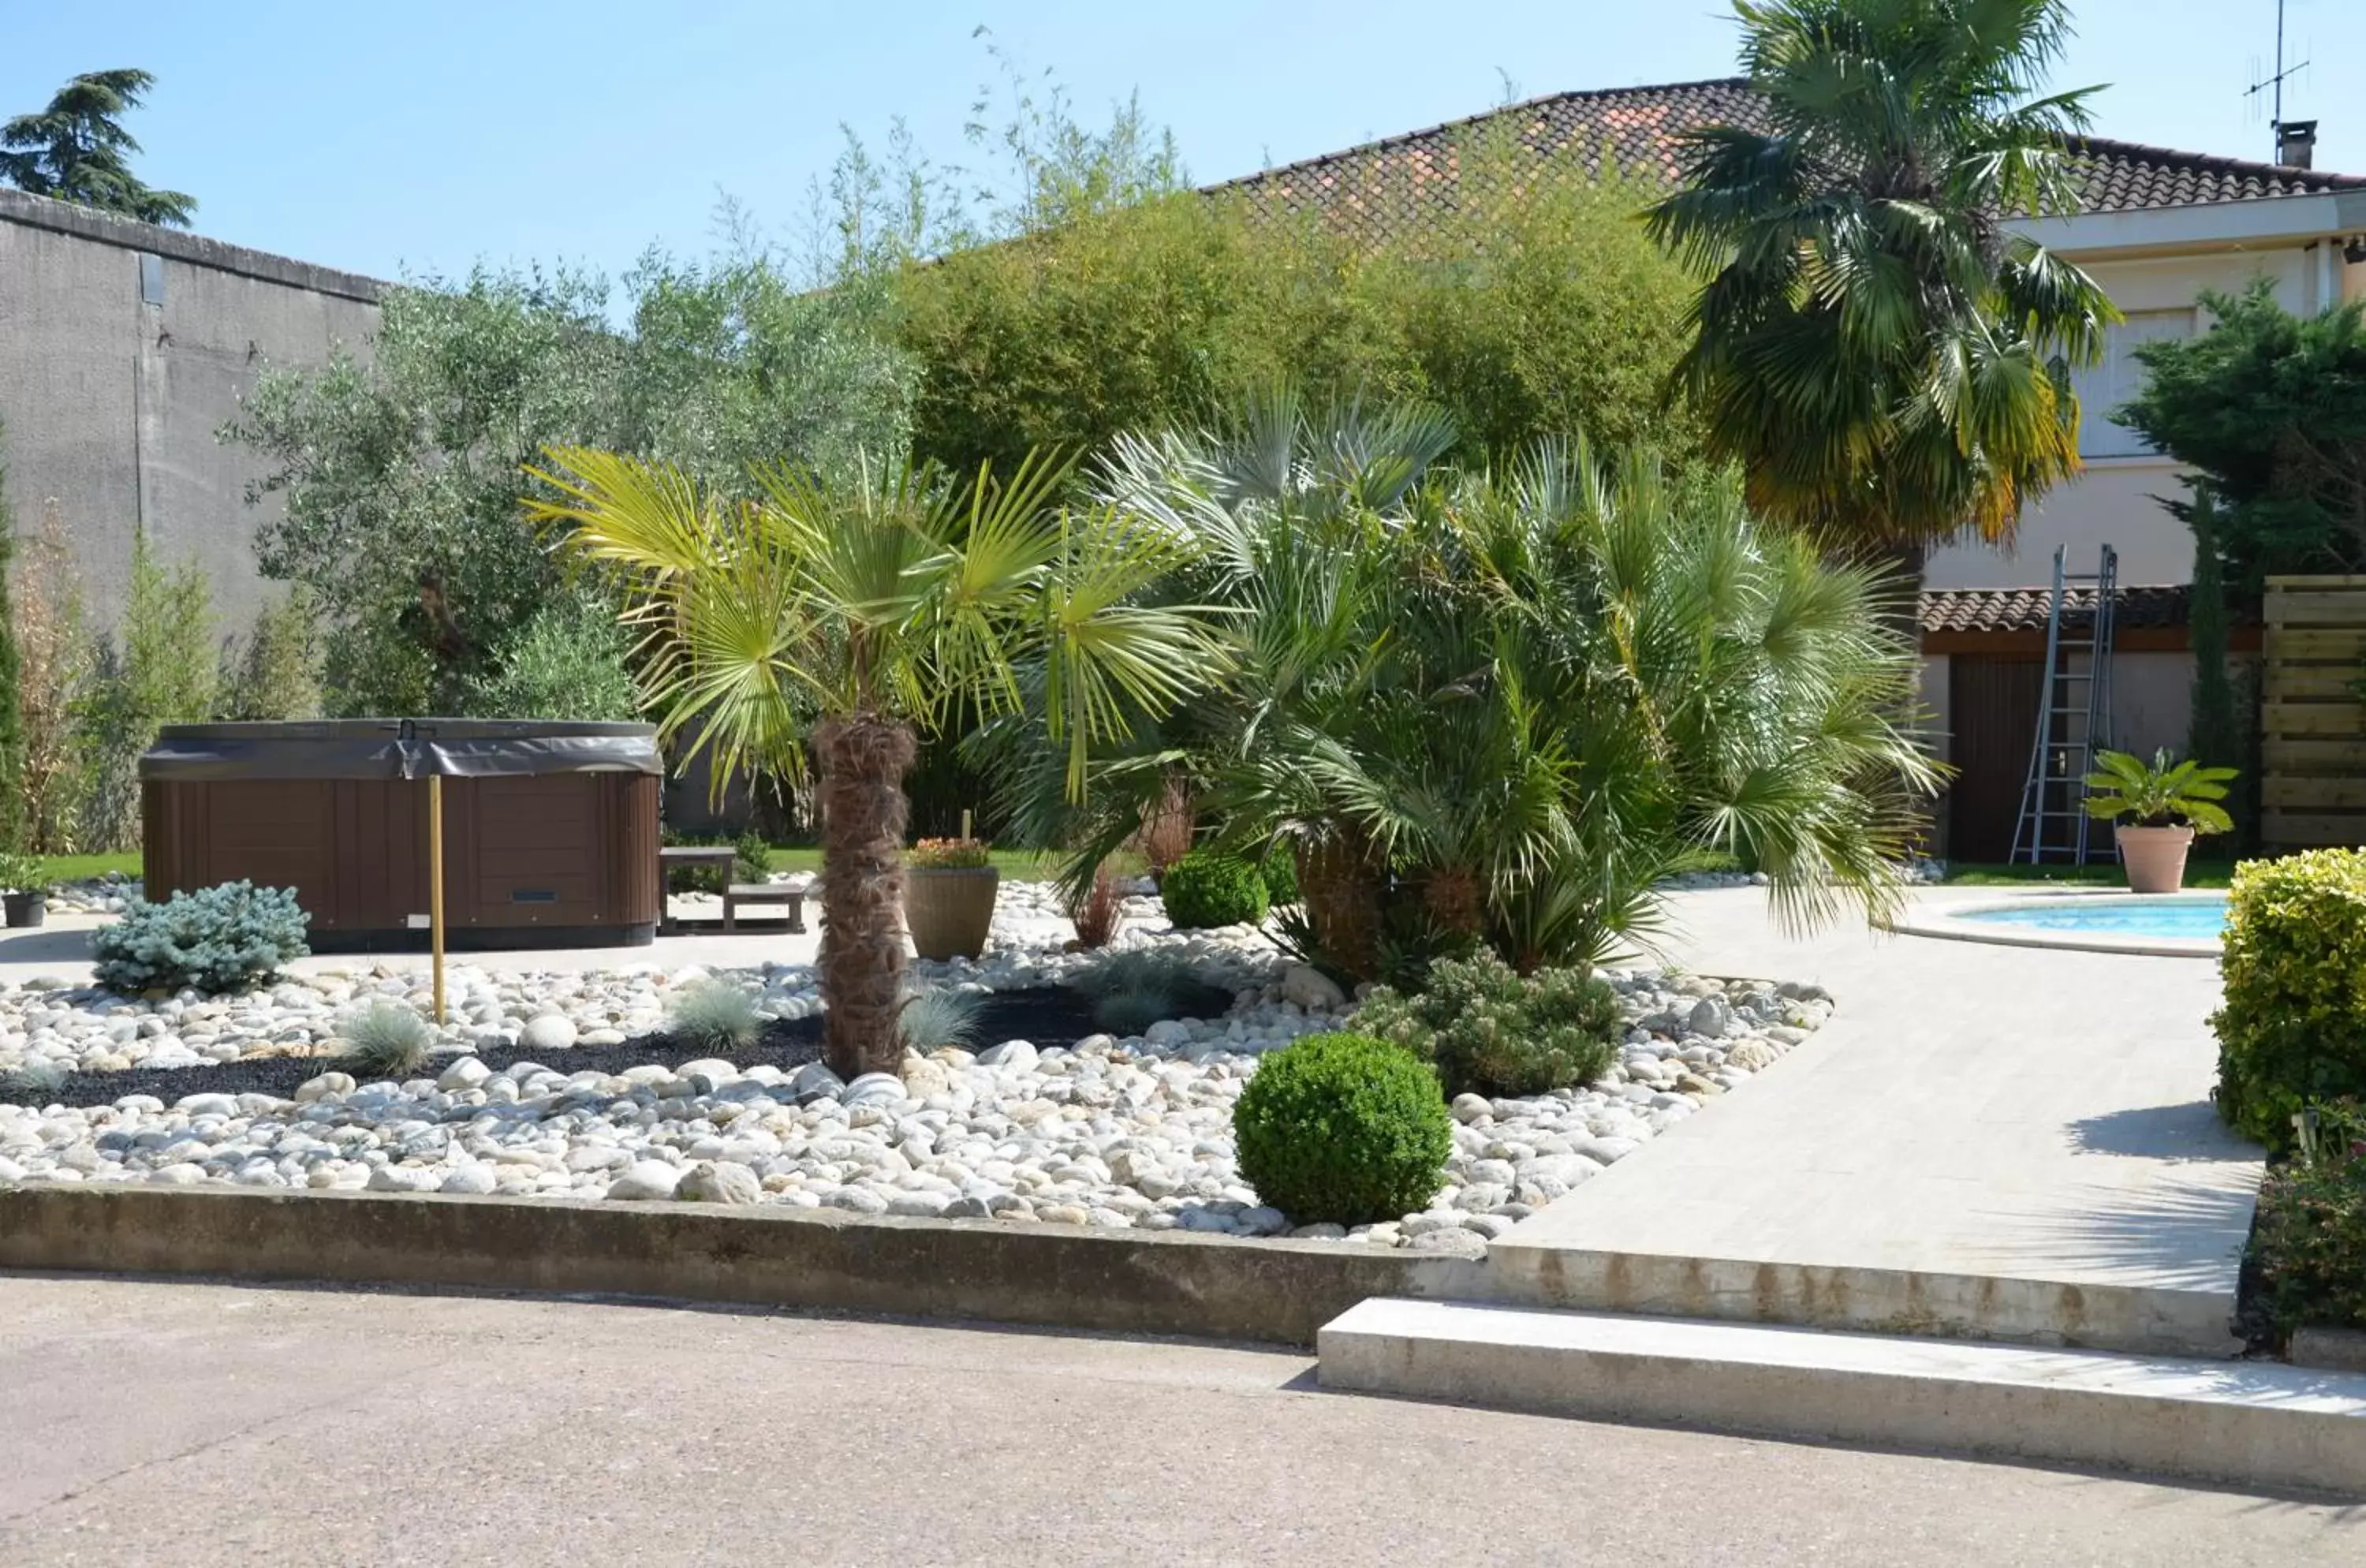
[[2012, 1139]]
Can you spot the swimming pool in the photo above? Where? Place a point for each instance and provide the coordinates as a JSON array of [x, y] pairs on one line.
[[2200, 917], [2169, 925]]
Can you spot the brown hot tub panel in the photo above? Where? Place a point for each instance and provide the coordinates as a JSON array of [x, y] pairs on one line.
[[550, 830]]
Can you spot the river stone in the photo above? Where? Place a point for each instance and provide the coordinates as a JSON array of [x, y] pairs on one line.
[[548, 1031], [647, 1179], [711, 1181]]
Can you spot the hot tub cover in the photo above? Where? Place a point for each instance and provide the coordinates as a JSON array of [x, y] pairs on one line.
[[399, 748]]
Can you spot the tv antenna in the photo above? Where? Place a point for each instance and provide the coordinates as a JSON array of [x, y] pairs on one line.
[[2273, 86]]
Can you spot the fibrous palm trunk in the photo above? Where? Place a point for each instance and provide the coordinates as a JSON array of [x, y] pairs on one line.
[[1339, 879], [862, 757]]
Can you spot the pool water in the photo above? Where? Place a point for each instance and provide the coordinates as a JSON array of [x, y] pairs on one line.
[[2193, 919]]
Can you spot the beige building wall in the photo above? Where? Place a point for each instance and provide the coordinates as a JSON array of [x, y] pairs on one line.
[[2117, 500]]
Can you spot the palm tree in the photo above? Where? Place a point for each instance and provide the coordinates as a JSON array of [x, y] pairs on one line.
[[1888, 365], [1498, 709], [843, 621]]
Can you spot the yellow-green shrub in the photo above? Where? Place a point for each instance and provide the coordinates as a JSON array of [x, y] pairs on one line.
[[2292, 1028]]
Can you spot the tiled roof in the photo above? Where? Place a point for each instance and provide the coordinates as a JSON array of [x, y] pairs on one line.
[[1383, 186], [2023, 609]]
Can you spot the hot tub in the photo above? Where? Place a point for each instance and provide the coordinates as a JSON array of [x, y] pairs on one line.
[[550, 830]]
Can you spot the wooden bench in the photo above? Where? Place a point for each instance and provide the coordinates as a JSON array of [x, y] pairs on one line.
[[669, 856], [791, 893]]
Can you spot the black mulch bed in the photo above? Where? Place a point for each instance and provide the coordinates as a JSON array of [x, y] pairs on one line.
[[1048, 1016]]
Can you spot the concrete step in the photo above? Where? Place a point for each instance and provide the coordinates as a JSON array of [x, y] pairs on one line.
[[2255, 1424], [2173, 1315]]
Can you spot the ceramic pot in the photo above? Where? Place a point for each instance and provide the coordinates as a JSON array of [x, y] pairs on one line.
[[948, 910], [2154, 857], [26, 909]]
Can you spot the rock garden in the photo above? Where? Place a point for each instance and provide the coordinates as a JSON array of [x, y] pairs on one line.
[[1037, 1085]]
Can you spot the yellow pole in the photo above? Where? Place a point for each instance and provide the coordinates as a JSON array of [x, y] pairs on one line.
[[435, 883]]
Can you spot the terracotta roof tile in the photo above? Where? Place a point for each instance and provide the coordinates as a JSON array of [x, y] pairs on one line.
[[1383, 186], [2023, 609]]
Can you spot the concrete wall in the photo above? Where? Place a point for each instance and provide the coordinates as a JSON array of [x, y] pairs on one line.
[[111, 402]]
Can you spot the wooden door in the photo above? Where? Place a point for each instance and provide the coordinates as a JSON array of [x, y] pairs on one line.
[[1992, 702]]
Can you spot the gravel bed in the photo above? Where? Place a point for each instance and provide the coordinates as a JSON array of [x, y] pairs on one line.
[[566, 1085]]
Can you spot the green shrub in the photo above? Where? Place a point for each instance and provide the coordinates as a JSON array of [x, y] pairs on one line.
[[1345, 1128], [752, 862], [2292, 1027], [567, 661], [275, 673], [713, 1015], [386, 1040], [2310, 1240], [1490, 1029], [1280, 873], [230, 938], [1205, 889]]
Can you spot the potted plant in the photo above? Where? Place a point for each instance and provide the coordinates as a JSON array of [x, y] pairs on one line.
[[2159, 807], [24, 891], [949, 891]]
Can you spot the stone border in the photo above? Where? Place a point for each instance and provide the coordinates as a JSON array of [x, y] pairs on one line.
[[1268, 1291], [1949, 924]]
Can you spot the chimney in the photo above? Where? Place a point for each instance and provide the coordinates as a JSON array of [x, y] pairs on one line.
[[2296, 144]]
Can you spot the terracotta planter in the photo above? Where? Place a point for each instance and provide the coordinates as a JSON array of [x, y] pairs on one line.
[[948, 909], [2154, 857], [26, 909]]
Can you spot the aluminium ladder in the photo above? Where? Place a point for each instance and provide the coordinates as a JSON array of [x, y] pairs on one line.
[[2074, 714]]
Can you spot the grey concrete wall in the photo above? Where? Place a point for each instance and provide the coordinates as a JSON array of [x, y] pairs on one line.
[[111, 403]]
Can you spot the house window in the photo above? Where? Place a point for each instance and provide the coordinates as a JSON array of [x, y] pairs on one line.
[[2121, 376], [152, 280]]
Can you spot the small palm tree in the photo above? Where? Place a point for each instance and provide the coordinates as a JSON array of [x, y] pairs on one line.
[[1886, 363], [2158, 793], [846, 621], [1496, 709]]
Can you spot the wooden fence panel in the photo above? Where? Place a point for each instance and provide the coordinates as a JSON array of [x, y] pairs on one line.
[[2313, 723]]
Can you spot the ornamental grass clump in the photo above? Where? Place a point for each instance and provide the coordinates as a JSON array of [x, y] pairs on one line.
[[1205, 889], [713, 1015], [1342, 1128], [1135, 988], [2292, 1027], [1492, 1031], [386, 1040], [933, 1021], [233, 937]]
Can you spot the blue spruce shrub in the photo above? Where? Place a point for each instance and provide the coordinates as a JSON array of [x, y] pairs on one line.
[[230, 938]]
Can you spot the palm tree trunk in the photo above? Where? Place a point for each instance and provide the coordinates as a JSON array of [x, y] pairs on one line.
[[862, 758], [1339, 878]]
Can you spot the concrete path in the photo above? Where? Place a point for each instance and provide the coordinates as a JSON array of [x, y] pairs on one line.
[[199, 1425], [1971, 1112]]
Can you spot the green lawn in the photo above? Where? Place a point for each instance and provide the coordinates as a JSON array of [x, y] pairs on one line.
[[2103, 874], [81, 868]]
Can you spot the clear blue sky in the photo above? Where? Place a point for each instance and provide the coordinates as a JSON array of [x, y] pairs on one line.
[[424, 135]]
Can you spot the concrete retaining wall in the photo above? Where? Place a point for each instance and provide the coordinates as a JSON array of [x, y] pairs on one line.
[[1270, 1291], [111, 399]]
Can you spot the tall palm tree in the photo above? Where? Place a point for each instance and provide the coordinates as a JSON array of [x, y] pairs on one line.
[[842, 621], [1886, 361]]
